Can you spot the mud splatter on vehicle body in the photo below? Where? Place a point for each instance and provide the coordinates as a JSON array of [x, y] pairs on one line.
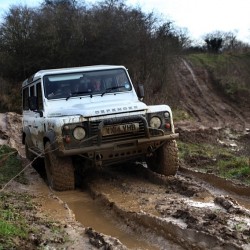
[[65, 118]]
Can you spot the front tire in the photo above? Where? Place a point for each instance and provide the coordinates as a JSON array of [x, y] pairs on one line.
[[59, 170], [165, 159]]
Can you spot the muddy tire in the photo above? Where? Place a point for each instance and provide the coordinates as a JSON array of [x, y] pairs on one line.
[[59, 170], [165, 160]]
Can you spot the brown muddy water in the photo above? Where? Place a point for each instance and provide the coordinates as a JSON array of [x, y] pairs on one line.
[[91, 213]]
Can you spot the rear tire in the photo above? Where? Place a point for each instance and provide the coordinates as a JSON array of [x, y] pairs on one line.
[[30, 156], [59, 170], [165, 159]]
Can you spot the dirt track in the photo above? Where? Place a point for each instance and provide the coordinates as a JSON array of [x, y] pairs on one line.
[[209, 108]]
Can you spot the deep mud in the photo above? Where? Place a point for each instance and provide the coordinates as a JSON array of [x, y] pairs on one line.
[[192, 210], [179, 209], [215, 135]]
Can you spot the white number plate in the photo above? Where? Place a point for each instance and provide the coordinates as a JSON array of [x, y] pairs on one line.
[[119, 129]]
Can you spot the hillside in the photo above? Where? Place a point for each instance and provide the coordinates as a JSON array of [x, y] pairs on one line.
[[214, 90]]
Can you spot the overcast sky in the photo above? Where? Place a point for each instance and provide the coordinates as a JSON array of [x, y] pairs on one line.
[[202, 16], [198, 16]]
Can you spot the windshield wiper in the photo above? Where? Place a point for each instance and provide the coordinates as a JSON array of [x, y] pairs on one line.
[[112, 88], [78, 94]]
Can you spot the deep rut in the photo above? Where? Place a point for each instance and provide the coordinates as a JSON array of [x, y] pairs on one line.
[[179, 210]]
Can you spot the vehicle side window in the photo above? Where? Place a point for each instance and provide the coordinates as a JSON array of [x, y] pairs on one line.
[[25, 98], [39, 96], [32, 90]]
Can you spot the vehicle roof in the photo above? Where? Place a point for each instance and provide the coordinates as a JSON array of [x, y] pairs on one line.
[[41, 73]]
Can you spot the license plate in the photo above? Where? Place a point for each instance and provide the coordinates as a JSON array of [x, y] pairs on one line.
[[119, 129]]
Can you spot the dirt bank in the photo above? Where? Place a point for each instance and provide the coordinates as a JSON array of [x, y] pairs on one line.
[[196, 93]]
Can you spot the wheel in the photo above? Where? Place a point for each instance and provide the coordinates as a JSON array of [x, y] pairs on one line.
[[30, 156], [59, 170], [165, 159]]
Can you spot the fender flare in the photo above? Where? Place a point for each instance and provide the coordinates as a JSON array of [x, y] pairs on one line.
[[51, 137]]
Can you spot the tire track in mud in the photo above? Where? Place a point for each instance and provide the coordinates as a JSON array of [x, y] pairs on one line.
[[179, 209], [198, 96], [218, 182], [199, 90]]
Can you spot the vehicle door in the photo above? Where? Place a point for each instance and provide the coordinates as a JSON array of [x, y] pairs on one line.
[[33, 118]]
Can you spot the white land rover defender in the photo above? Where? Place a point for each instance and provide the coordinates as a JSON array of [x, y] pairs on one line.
[[93, 113]]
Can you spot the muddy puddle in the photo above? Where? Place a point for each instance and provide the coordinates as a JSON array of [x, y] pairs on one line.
[[220, 186], [95, 214], [244, 202], [90, 213]]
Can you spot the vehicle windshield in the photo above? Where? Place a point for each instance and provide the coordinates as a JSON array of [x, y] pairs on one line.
[[86, 83]]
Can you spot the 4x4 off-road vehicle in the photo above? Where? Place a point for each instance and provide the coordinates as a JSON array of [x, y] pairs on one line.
[[93, 113]]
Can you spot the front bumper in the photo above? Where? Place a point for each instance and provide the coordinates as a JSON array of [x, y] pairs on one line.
[[120, 151]]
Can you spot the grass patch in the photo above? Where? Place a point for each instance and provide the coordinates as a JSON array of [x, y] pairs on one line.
[[181, 115], [235, 168], [230, 73], [210, 61], [201, 149], [19, 221], [13, 224], [20, 225], [219, 160], [10, 165]]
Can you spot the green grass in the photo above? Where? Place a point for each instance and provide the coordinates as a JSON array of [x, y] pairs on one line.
[[181, 115], [13, 224], [192, 149], [230, 73], [10, 165], [18, 213], [235, 168], [19, 219], [8, 228], [211, 61], [216, 159]]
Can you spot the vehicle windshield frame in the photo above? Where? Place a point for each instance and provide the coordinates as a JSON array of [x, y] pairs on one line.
[[85, 83]]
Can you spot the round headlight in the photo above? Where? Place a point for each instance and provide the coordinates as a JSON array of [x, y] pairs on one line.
[[79, 133], [155, 122]]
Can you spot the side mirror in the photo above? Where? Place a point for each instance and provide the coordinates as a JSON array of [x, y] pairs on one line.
[[140, 91]]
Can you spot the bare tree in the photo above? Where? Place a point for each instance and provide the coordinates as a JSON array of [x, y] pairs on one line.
[[16, 39], [62, 33]]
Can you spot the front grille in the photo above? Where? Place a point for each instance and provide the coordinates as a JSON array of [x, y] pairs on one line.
[[95, 137], [94, 130]]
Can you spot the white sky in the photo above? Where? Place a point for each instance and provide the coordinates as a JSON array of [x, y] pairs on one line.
[[198, 16], [202, 16]]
